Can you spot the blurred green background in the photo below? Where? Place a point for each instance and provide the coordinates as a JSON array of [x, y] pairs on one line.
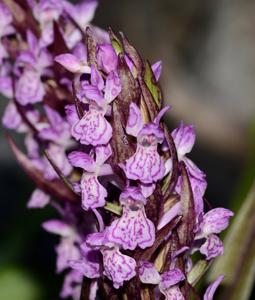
[[207, 48]]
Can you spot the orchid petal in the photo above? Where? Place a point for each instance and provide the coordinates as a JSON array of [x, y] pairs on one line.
[[157, 69], [82, 160], [38, 199], [209, 294], [135, 122], [148, 273], [112, 86], [72, 63], [212, 247], [58, 227]]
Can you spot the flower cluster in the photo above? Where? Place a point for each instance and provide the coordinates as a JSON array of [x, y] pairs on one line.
[[131, 202]]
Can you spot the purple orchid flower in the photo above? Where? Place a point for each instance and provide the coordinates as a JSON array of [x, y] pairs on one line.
[[184, 139], [82, 13], [6, 28], [57, 130], [214, 221], [73, 63], [117, 266], [42, 164], [107, 58], [157, 69], [93, 193], [209, 294], [38, 199], [89, 263], [146, 164], [133, 228], [72, 285], [148, 273], [168, 285], [93, 128], [12, 119], [45, 12], [29, 88], [212, 247], [35, 61], [67, 249]]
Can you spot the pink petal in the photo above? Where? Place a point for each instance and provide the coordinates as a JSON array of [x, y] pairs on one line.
[[212, 247], [58, 227], [96, 78], [132, 229], [145, 165], [148, 273], [93, 129], [157, 69], [184, 139], [93, 193], [72, 63], [215, 221], [38, 199], [103, 152], [209, 294], [135, 122], [170, 278], [107, 58], [118, 267], [82, 160], [112, 86]]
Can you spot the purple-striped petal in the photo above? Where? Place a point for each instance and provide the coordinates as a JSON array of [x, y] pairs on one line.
[[215, 221], [145, 165], [103, 152], [92, 129], [212, 247], [117, 266], [132, 229], [93, 193], [170, 278], [148, 273]]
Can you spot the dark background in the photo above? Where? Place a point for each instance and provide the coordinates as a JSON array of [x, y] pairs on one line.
[[207, 48]]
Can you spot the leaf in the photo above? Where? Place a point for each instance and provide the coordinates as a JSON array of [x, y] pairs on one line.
[[238, 262], [55, 188], [152, 85], [187, 226], [116, 43], [198, 271]]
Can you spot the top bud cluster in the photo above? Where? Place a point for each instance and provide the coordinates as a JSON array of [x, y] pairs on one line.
[[90, 109]]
